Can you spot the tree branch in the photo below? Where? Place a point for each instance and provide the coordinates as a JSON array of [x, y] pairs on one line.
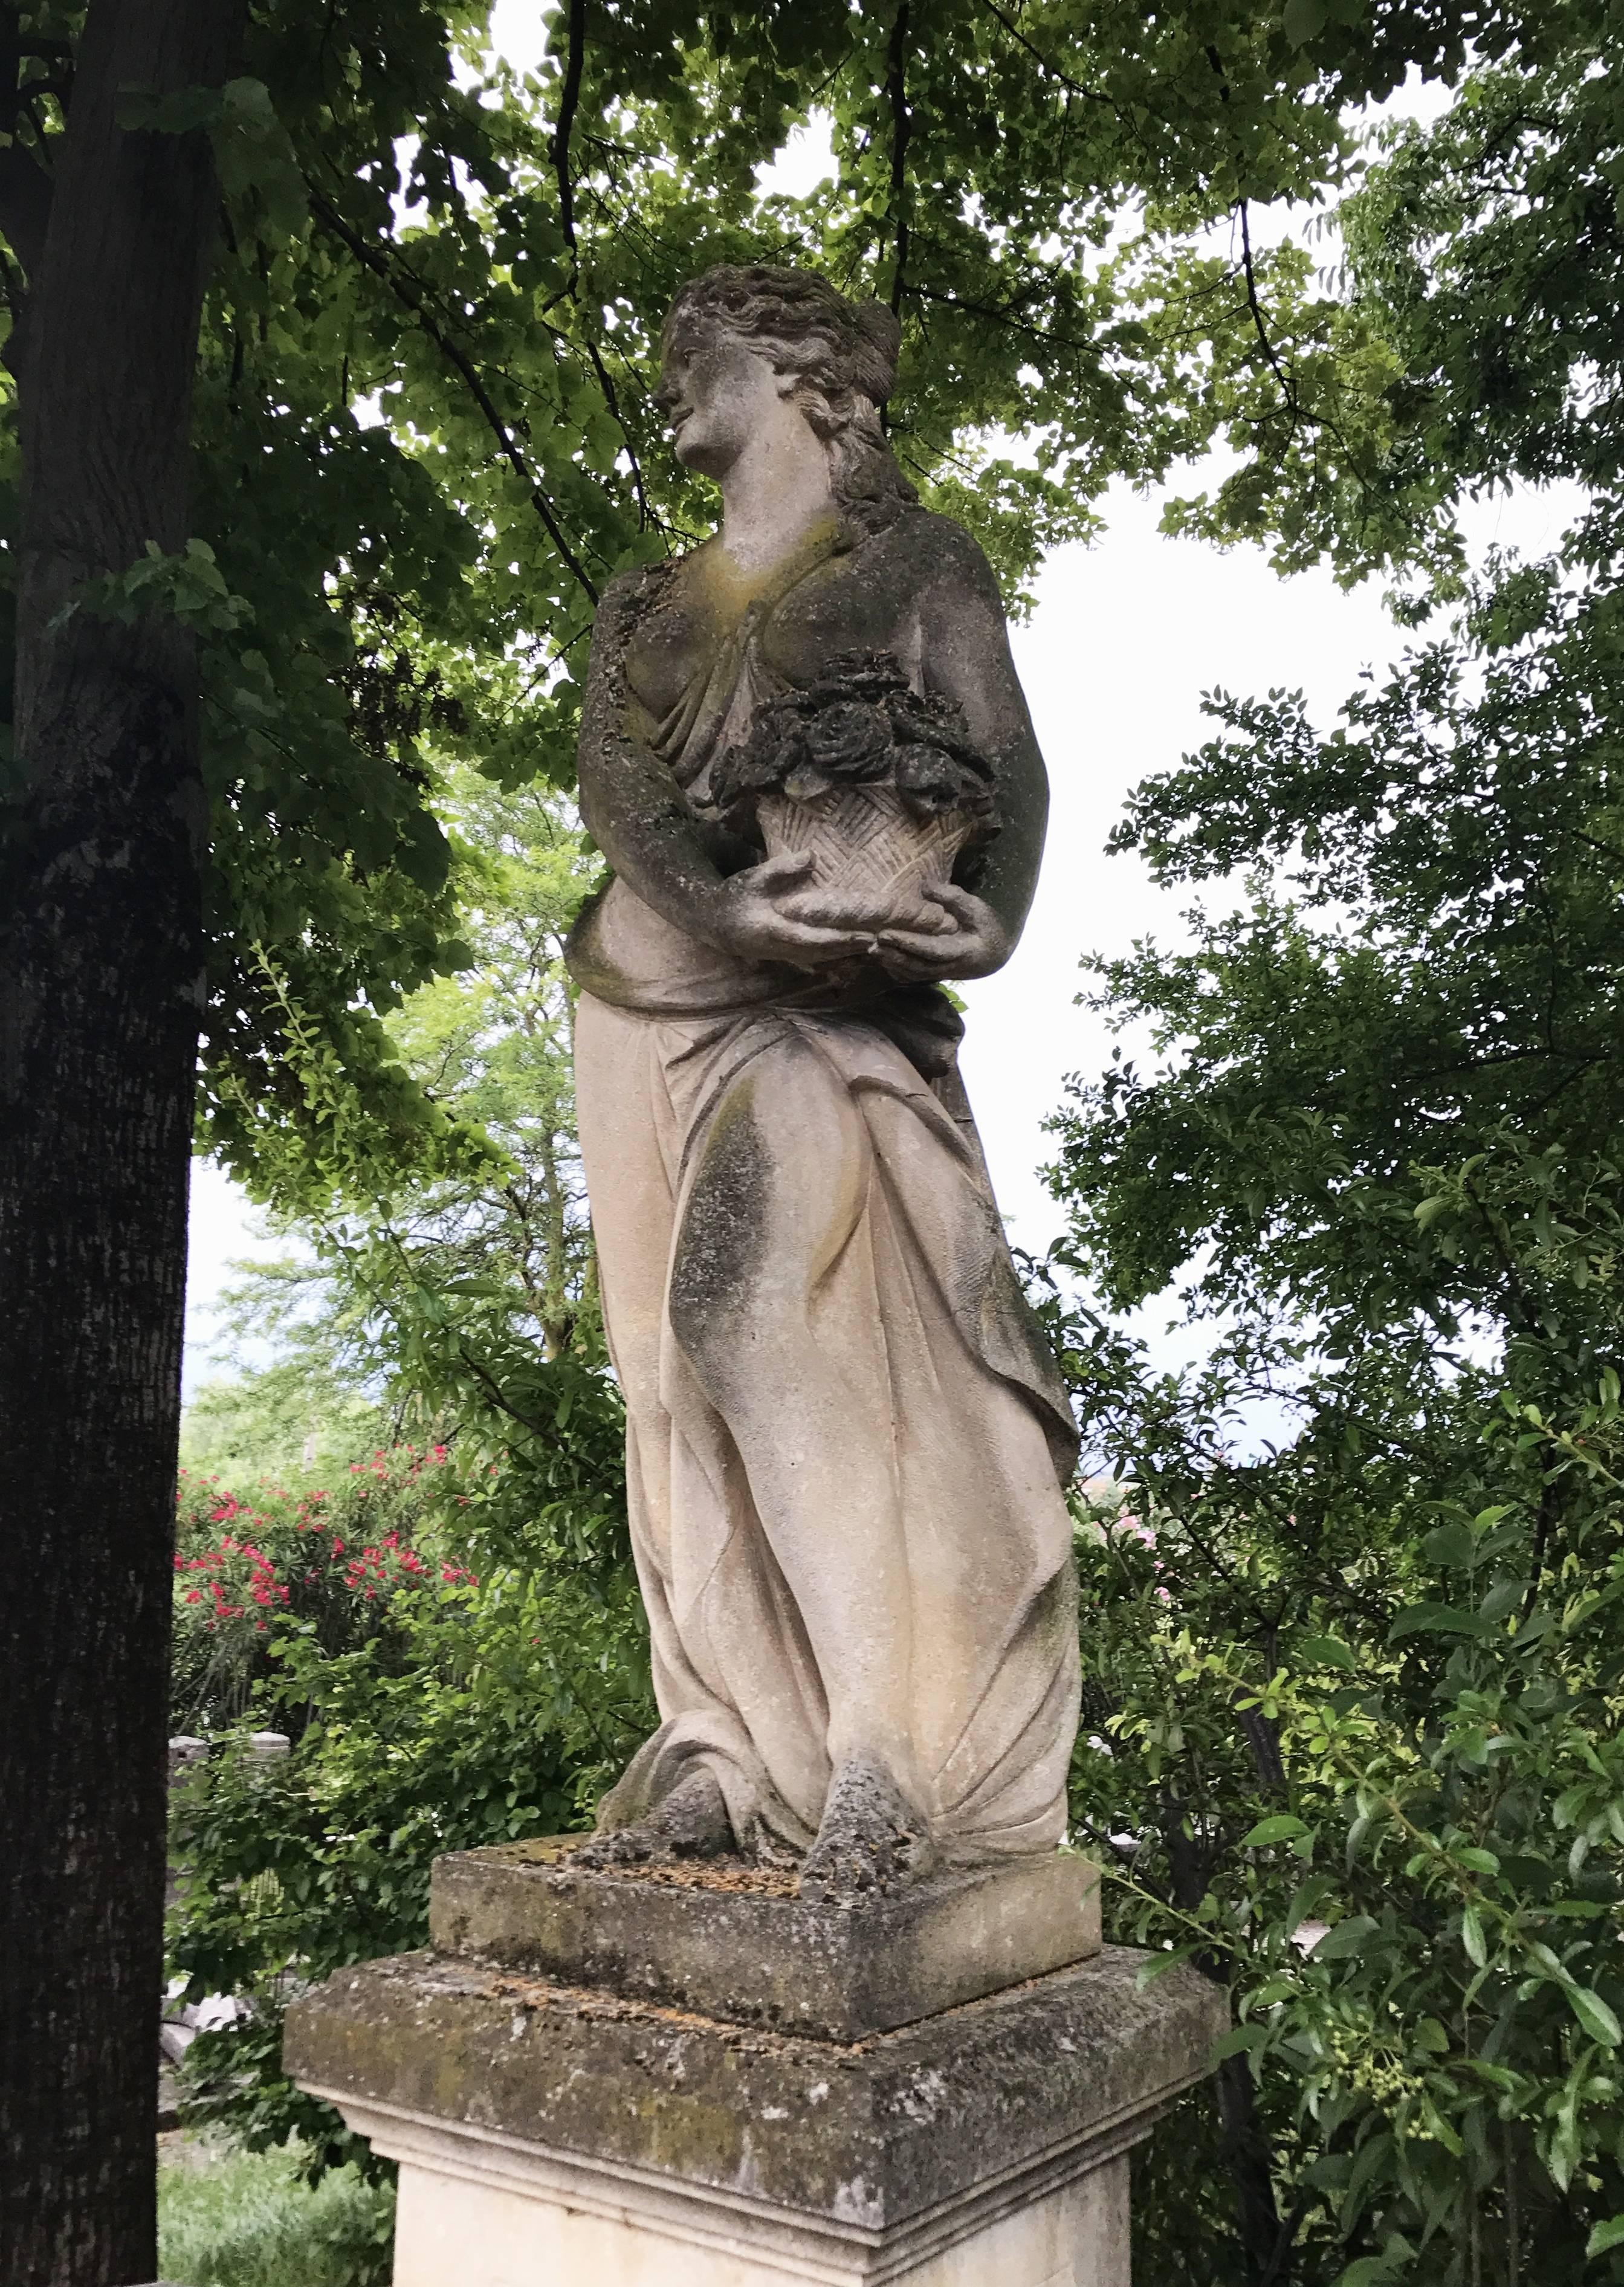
[[1263, 1740], [901, 134], [1282, 374], [569, 102], [1543, 1523], [457, 356], [647, 514], [1007, 318], [1049, 70]]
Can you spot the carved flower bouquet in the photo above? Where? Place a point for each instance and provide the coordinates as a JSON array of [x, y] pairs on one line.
[[884, 787]]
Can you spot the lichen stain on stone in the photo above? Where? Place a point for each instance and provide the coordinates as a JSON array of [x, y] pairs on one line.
[[724, 1231], [702, 2142], [923, 2099], [855, 2202]]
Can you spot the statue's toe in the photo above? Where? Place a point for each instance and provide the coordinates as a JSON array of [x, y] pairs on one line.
[[872, 1843], [691, 1823]]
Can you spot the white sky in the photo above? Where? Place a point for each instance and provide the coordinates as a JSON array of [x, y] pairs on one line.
[[1126, 637]]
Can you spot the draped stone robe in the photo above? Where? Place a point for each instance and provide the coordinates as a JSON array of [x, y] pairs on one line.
[[845, 1434]]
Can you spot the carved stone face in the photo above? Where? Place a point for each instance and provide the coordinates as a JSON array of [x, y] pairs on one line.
[[718, 394]]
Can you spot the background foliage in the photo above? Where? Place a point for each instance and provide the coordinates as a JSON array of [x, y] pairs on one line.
[[1360, 1656]]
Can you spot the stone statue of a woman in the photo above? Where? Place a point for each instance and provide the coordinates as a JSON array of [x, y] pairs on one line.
[[845, 1436]]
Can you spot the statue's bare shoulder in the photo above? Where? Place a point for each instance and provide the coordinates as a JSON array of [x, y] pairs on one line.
[[924, 553]]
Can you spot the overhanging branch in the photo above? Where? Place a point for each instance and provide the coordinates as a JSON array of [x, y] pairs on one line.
[[569, 102], [406, 291], [1051, 70], [901, 135], [1282, 373]]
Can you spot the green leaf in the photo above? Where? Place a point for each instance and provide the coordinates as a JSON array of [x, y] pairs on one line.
[[1325, 1651], [1471, 1937], [1273, 1990], [1606, 2236], [1437, 1619], [1374, 2154], [1369, 2271], [1238, 2039], [1480, 1862], [1451, 1548], [1594, 2014], [1279, 1827], [1303, 20], [1346, 1938]]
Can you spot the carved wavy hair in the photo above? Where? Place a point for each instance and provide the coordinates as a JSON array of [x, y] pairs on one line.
[[843, 354]]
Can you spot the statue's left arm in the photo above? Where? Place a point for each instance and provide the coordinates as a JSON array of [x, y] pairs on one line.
[[964, 654]]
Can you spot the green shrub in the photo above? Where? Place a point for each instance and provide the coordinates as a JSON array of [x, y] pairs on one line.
[[255, 2219], [1354, 1748], [431, 1709]]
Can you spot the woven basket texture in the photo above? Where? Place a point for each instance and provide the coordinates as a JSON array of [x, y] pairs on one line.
[[872, 857]]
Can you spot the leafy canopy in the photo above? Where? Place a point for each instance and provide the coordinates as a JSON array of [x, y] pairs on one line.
[[425, 434]]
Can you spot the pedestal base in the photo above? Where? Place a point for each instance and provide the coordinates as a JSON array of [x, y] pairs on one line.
[[711, 2084], [744, 1947], [503, 2214], [552, 2138]]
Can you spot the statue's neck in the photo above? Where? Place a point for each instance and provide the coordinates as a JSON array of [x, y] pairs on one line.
[[774, 494]]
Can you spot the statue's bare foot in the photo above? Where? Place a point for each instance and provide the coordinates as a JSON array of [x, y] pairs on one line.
[[872, 1841], [691, 1823]]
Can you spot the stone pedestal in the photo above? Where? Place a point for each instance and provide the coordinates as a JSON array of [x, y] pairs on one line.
[[623, 2081]]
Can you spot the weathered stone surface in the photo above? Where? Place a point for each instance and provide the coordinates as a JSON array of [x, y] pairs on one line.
[[866, 2133], [847, 1431], [744, 1949], [505, 2216]]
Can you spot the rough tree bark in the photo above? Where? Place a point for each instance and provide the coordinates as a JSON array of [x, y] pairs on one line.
[[100, 962]]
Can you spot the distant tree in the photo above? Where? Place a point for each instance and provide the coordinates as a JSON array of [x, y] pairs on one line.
[[1367, 1673], [456, 1304]]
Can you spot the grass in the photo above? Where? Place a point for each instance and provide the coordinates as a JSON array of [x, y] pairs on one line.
[[254, 2220]]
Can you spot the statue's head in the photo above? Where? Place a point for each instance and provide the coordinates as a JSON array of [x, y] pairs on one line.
[[739, 336]]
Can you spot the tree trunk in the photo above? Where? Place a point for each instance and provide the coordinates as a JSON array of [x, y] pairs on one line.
[[100, 968], [1265, 2243]]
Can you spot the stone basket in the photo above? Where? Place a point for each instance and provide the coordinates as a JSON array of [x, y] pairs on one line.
[[875, 861]]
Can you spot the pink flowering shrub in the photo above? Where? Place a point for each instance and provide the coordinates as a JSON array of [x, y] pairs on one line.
[[430, 1708], [331, 1565]]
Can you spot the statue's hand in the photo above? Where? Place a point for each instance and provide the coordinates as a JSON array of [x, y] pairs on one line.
[[752, 922], [973, 942]]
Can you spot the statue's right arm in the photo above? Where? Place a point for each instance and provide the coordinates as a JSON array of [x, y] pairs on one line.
[[632, 806], [636, 813]]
